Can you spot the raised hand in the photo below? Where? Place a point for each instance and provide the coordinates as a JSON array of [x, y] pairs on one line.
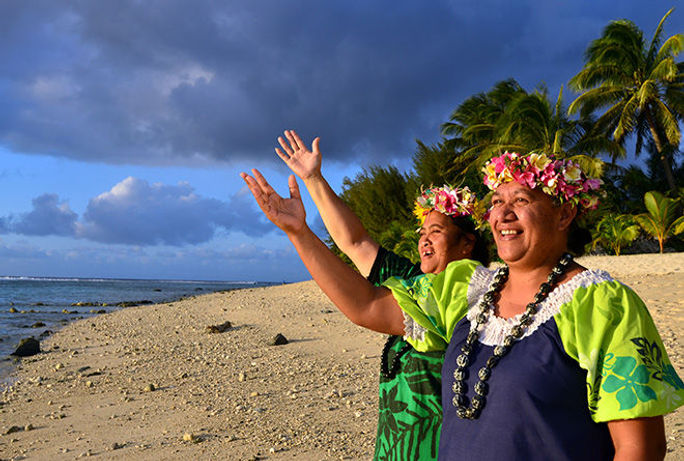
[[303, 162], [288, 214]]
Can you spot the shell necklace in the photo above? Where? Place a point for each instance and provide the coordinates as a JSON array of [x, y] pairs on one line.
[[471, 408]]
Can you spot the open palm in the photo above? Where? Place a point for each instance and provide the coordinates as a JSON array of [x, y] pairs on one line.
[[286, 213], [303, 162]]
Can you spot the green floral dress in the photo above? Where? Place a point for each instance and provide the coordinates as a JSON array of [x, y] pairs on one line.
[[410, 405]]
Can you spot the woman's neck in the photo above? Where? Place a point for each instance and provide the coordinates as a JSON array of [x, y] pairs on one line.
[[523, 284]]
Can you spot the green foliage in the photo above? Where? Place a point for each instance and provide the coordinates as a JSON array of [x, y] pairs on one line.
[[473, 129], [380, 196], [508, 118], [628, 86], [401, 241], [437, 165], [636, 87], [615, 232], [663, 218]]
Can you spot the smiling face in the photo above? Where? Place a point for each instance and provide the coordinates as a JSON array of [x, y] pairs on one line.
[[441, 241], [528, 228]]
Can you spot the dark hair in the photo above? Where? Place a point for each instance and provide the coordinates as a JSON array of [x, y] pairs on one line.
[[480, 251], [578, 238]]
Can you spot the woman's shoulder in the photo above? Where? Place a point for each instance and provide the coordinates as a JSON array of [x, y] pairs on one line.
[[595, 292]]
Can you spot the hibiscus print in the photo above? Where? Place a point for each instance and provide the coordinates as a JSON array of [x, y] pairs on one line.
[[629, 381]]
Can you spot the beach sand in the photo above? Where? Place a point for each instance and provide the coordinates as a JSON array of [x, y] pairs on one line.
[[151, 382]]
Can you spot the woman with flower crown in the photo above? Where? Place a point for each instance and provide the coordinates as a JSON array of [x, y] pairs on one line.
[[410, 404], [545, 359]]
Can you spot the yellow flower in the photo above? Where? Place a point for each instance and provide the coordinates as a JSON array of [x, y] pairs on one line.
[[572, 173], [490, 171], [538, 161], [506, 176]]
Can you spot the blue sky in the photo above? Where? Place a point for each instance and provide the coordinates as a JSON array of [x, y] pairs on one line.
[[124, 125]]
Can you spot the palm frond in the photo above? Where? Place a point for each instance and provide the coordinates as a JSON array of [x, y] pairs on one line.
[[627, 120], [667, 122], [671, 48], [655, 41]]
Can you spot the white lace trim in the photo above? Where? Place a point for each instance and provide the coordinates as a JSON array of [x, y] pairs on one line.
[[496, 329], [479, 283], [413, 330]]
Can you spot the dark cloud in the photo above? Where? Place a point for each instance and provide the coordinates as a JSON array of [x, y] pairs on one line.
[[139, 213], [48, 217], [182, 82]]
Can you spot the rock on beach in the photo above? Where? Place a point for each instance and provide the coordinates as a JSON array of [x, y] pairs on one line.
[[149, 383]]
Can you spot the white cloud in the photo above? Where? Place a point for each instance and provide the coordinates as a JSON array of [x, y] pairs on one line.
[[135, 212]]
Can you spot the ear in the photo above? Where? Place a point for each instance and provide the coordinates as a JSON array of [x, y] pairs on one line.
[[568, 212], [470, 243]]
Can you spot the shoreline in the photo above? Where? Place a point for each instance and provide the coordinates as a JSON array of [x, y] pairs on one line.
[[151, 382], [62, 301]]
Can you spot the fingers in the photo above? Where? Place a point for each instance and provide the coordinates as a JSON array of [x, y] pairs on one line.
[[284, 157], [254, 188], [297, 139], [314, 145], [295, 142], [263, 184], [284, 145], [294, 187]]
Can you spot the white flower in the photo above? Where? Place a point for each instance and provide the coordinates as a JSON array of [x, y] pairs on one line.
[[669, 395]]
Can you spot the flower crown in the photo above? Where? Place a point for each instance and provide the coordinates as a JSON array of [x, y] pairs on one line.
[[563, 180], [451, 201]]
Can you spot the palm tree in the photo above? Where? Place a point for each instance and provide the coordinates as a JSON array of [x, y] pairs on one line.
[[533, 123], [663, 219], [510, 118], [640, 86], [473, 128], [615, 231]]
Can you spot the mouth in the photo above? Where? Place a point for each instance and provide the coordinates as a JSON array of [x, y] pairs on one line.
[[509, 232], [426, 253]]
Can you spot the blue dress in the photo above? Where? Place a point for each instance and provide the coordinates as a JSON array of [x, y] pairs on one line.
[[591, 355]]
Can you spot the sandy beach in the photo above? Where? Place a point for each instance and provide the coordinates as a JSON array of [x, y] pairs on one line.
[[152, 382]]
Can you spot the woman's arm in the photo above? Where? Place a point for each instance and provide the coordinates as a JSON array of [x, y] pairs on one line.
[[344, 226], [640, 439], [364, 304]]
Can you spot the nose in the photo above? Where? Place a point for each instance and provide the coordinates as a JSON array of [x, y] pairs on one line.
[[505, 210]]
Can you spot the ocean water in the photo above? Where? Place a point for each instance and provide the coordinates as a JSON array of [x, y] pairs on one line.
[[27, 302]]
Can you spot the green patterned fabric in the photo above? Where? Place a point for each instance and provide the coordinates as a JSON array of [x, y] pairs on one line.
[[410, 407], [602, 324], [608, 330], [410, 404], [435, 302]]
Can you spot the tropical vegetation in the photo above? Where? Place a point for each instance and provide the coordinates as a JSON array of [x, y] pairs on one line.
[[628, 88]]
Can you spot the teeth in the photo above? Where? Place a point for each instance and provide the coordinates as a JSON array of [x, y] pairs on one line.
[[508, 232]]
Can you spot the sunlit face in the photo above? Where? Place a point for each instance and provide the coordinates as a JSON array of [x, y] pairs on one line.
[[528, 228], [441, 241]]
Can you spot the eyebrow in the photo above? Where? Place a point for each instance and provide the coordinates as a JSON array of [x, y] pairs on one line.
[[422, 228]]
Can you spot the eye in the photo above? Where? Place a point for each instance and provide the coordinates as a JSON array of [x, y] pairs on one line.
[[521, 200], [496, 202]]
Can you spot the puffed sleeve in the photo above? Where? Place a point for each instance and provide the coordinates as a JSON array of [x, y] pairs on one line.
[[607, 328], [433, 304]]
